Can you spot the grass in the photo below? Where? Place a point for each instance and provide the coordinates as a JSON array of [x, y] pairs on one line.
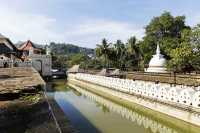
[[32, 98], [60, 85]]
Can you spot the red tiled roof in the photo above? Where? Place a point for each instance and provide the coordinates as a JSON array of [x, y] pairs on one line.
[[28, 45]]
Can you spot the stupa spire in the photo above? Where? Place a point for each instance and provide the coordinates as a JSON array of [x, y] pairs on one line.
[[158, 49]]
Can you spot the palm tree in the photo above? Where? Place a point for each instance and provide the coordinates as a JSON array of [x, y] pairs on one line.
[[103, 51], [133, 51], [132, 48], [120, 53]]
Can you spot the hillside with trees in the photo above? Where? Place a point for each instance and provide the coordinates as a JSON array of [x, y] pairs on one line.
[[66, 55], [69, 49]]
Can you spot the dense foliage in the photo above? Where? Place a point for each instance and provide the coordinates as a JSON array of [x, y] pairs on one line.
[[118, 54], [179, 43]]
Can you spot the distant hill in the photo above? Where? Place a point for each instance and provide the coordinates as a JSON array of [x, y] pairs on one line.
[[68, 49], [63, 48]]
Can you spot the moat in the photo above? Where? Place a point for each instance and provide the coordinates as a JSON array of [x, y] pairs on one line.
[[88, 112]]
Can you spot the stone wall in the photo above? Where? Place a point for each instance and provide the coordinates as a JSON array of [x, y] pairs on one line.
[[180, 79], [179, 96], [9, 63], [42, 63]]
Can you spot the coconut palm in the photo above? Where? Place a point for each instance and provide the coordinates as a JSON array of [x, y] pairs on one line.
[[103, 51], [120, 53], [133, 51]]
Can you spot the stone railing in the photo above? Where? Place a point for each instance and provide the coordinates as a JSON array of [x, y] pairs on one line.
[[179, 95], [9, 63]]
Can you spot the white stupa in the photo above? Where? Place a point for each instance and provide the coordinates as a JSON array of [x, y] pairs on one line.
[[158, 63]]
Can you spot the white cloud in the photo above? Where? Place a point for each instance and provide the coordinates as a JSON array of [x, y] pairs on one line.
[[93, 30], [193, 19], [42, 29], [22, 26]]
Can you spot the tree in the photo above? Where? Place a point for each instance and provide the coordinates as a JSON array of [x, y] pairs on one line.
[[120, 54], [103, 52], [195, 38], [59, 61], [133, 53], [181, 59], [195, 42], [184, 58], [164, 30], [78, 58], [132, 48]]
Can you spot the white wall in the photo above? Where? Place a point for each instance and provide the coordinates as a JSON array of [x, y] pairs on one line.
[[42, 63]]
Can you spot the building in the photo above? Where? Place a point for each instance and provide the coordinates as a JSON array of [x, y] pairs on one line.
[[41, 62], [8, 49], [28, 48], [27, 55], [8, 52]]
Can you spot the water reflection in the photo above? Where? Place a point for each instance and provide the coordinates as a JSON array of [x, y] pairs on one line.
[[136, 117], [104, 108], [92, 113]]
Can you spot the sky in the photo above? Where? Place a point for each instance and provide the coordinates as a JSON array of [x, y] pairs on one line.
[[86, 22]]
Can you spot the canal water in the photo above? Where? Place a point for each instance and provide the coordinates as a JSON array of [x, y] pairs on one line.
[[90, 113]]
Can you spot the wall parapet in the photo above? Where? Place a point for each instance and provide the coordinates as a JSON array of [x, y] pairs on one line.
[[185, 97]]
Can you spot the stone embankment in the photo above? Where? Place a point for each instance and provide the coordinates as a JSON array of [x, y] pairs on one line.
[[14, 80], [181, 102], [23, 107]]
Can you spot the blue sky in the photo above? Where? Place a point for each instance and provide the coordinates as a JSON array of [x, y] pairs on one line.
[[86, 22]]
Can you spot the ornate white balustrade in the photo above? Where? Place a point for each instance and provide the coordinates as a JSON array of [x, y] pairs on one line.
[[179, 94]]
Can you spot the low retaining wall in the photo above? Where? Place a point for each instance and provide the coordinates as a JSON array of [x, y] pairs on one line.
[[184, 115]]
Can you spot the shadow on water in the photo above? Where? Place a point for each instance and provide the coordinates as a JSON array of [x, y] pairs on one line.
[[79, 120], [55, 90]]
